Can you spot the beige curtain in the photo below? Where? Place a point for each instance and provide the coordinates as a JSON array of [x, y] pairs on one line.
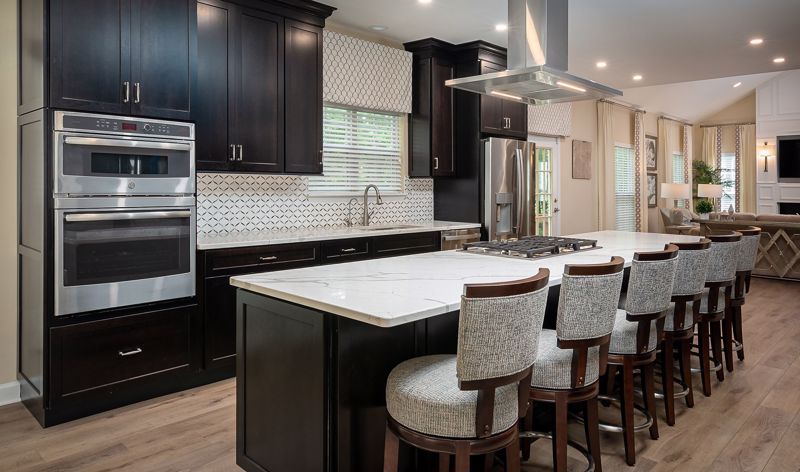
[[641, 172], [686, 137], [709, 151], [747, 169], [605, 166]]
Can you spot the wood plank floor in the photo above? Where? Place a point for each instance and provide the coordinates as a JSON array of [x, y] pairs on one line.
[[750, 423]]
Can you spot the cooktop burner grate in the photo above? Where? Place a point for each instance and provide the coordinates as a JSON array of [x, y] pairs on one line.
[[531, 246]]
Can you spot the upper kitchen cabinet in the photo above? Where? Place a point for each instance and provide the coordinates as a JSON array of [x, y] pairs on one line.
[[258, 92], [431, 133], [130, 57]]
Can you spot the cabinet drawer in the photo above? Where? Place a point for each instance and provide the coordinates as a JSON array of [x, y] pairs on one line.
[[101, 353], [260, 259], [345, 250], [402, 244]]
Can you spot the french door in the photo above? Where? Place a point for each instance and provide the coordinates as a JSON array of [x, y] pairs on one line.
[[546, 188]]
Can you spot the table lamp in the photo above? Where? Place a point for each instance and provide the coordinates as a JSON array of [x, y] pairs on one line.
[[711, 191], [676, 192]]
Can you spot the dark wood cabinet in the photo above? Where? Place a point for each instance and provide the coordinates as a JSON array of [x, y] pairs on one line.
[[130, 57], [500, 116], [258, 91], [442, 122]]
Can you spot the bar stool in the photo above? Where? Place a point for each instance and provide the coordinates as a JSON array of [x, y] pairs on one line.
[[690, 278], [720, 275], [732, 323], [470, 403], [636, 335], [571, 358]]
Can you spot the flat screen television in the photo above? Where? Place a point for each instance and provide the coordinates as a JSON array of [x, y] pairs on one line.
[[788, 158]]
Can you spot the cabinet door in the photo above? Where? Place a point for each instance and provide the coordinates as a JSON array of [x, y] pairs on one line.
[[491, 107], [219, 302], [303, 98], [517, 116], [212, 105], [419, 162], [442, 119], [90, 56], [163, 51], [259, 133]]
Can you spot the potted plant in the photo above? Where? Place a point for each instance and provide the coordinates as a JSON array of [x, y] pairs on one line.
[[703, 173], [703, 208]]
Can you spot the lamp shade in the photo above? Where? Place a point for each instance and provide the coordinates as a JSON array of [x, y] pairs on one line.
[[676, 191], [709, 190]]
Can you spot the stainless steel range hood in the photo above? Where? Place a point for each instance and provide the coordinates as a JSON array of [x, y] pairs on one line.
[[537, 60]]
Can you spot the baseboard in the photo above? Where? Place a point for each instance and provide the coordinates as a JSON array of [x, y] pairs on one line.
[[9, 393]]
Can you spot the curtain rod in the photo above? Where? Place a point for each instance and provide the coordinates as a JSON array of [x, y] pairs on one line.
[[629, 106], [726, 124], [676, 120]]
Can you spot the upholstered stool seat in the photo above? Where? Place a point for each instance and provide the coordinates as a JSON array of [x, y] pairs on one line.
[[422, 394], [553, 366], [669, 321], [623, 338]]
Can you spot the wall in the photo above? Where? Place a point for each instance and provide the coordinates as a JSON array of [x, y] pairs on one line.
[[579, 197], [8, 192], [743, 111]]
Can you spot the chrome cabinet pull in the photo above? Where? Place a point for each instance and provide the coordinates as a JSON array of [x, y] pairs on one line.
[[350, 249], [240, 147], [132, 352], [268, 258], [126, 92], [435, 163], [233, 152], [137, 92]]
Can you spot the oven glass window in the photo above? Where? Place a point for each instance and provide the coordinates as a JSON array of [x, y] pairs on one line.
[[107, 251], [128, 164]]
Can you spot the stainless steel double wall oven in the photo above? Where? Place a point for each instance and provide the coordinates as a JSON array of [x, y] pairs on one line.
[[125, 217]]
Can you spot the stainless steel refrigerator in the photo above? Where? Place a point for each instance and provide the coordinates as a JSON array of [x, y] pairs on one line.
[[507, 188]]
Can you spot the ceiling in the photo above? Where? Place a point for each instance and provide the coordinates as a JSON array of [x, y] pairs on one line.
[[664, 41]]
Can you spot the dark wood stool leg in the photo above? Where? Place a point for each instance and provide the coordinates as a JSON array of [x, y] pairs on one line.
[[737, 330], [702, 342], [686, 370], [716, 347], [560, 434], [525, 444], [462, 458], [444, 462], [611, 380], [391, 451], [667, 373], [512, 457], [649, 394], [488, 462], [592, 430], [727, 339], [626, 407]]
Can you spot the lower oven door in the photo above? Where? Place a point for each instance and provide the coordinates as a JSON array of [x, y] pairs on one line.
[[108, 258]]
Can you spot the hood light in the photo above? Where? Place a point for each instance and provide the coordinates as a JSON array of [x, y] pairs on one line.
[[571, 87], [505, 95]]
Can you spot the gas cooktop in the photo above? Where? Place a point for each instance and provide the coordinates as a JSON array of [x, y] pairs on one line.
[[531, 246]]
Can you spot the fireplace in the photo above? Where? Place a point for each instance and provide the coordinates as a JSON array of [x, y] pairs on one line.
[[785, 208]]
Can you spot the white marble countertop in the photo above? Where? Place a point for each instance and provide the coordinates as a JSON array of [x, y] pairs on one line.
[[264, 238], [398, 290]]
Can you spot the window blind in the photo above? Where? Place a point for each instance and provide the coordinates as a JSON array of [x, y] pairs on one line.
[[625, 188], [678, 174], [728, 175], [359, 148]]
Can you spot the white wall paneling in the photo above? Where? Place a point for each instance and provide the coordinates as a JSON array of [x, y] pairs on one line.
[[765, 192], [789, 193]]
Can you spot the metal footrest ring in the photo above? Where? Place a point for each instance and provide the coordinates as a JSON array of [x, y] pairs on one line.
[[660, 395], [712, 367], [612, 428], [737, 346], [577, 446]]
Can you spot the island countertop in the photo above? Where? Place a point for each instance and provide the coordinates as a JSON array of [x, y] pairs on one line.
[[398, 290]]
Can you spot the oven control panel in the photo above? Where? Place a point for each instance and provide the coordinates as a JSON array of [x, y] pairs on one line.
[[122, 125]]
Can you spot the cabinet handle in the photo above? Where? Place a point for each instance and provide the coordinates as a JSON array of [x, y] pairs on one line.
[[132, 352], [435, 163], [233, 153], [137, 92], [268, 258], [126, 92], [350, 249], [240, 147]]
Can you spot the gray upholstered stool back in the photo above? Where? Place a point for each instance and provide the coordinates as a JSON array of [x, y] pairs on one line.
[[651, 279], [748, 249], [498, 335], [588, 302], [724, 257], [690, 275]]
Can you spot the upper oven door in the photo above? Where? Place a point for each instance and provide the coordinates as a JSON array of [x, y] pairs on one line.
[[86, 164], [111, 258]]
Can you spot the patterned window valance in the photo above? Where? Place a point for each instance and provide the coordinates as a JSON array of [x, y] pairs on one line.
[[364, 74]]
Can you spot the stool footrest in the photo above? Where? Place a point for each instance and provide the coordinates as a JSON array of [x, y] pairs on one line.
[[612, 428], [577, 446]]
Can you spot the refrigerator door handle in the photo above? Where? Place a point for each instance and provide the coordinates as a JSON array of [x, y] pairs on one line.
[[518, 180]]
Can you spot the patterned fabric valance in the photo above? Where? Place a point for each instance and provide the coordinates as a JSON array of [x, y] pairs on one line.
[[550, 120], [364, 74]]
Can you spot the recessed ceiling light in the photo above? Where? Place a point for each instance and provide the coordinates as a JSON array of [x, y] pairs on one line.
[[601, 64], [779, 60], [378, 28], [424, 2], [756, 41], [501, 27], [737, 84], [637, 77]]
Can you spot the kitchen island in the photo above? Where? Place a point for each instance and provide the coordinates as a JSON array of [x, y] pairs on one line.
[[315, 345]]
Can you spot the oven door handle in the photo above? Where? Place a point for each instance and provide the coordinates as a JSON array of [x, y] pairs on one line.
[[115, 216], [81, 141]]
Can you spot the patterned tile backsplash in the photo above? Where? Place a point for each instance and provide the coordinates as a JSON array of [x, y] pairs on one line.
[[228, 203]]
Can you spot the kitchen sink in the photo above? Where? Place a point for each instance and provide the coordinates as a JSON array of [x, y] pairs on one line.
[[384, 228]]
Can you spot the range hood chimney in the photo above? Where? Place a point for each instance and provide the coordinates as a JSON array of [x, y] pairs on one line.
[[537, 60]]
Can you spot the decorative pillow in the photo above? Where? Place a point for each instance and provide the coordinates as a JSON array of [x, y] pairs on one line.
[[681, 217]]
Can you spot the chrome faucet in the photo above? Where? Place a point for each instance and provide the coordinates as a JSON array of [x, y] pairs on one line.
[[367, 213]]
